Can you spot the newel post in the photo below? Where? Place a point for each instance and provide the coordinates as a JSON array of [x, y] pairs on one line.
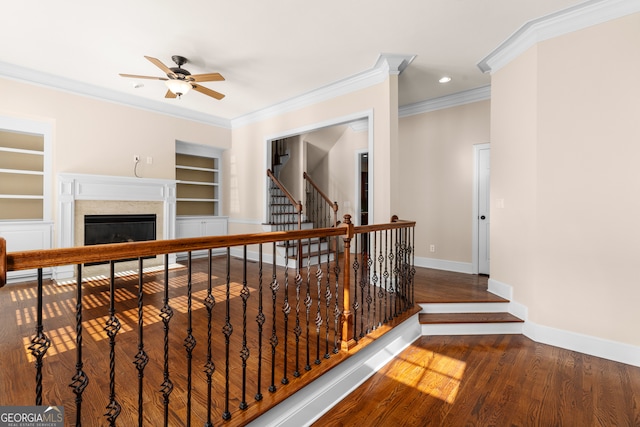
[[3, 262], [347, 316]]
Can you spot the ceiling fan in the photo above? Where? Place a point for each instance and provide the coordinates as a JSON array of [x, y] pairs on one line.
[[179, 81]]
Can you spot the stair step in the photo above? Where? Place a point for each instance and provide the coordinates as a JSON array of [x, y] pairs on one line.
[[449, 318]]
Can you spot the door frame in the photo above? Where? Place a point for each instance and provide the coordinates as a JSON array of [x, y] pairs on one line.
[[475, 243], [350, 118]]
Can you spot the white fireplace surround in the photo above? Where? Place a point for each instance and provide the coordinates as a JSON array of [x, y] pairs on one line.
[[74, 187]]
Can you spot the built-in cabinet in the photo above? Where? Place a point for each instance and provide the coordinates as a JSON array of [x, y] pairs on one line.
[[199, 226]]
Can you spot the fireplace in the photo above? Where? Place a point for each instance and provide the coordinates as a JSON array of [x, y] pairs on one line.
[[119, 228]]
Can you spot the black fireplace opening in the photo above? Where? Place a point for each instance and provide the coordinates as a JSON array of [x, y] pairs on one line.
[[118, 228]]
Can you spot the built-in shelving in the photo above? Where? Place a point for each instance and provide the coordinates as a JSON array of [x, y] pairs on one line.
[[22, 175]]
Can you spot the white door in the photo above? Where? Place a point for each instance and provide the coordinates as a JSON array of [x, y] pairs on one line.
[[483, 210]]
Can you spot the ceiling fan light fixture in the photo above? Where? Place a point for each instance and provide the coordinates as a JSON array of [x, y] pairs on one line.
[[179, 87]]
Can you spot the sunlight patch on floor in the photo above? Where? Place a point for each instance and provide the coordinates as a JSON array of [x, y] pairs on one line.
[[435, 374]]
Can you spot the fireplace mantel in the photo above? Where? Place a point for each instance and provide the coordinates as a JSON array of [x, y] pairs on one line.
[[74, 187]]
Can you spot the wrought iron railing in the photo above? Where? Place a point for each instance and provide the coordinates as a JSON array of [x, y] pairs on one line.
[[242, 319]]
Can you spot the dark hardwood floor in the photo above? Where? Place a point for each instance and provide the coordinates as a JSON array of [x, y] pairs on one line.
[[493, 380]]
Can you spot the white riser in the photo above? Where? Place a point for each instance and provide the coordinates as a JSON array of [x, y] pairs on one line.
[[472, 328], [475, 307]]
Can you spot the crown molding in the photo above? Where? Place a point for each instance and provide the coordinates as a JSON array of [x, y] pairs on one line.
[[465, 97], [572, 19], [28, 75], [385, 65]]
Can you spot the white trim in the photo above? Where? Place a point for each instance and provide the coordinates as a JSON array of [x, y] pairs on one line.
[[443, 264], [599, 347], [501, 289], [18, 73], [353, 117], [482, 93], [475, 232], [587, 344], [314, 400], [572, 19], [385, 65], [192, 149]]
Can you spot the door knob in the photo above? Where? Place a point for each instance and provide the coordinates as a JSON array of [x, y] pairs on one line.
[[482, 217]]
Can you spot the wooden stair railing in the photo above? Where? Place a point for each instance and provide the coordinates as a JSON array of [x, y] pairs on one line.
[[304, 316], [284, 210], [318, 206]]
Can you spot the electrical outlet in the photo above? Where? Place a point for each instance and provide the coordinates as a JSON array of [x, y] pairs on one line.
[[432, 248], [136, 158]]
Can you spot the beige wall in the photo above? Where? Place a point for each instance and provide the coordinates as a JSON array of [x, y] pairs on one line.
[[342, 172], [565, 155], [436, 176]]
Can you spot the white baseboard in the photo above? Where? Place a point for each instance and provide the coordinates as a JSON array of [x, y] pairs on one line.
[[442, 264], [587, 344], [310, 403]]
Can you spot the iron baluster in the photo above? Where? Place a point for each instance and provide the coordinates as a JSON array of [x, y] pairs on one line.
[[40, 342], [244, 353], [381, 313], [227, 330], [297, 330], [327, 297], [274, 337], [374, 279], [112, 327], [307, 303], [209, 367], [166, 313], [356, 304], [260, 319], [190, 340], [80, 380], [286, 309], [386, 277], [141, 358], [318, 320], [337, 313]]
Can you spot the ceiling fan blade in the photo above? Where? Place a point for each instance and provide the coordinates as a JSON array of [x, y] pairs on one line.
[[170, 94], [134, 76], [210, 77], [207, 91], [163, 67]]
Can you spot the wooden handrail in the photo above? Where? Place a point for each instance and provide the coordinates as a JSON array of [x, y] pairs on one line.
[[26, 260], [293, 201], [334, 205], [377, 227]]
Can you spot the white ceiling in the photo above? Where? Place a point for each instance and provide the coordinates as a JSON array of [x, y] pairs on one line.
[[269, 51]]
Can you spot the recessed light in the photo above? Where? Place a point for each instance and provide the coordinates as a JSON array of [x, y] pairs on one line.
[[445, 79]]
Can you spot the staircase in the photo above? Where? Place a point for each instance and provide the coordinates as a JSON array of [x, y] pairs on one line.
[[468, 311]]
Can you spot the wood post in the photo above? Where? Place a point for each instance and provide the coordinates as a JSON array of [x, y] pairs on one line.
[[347, 316]]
